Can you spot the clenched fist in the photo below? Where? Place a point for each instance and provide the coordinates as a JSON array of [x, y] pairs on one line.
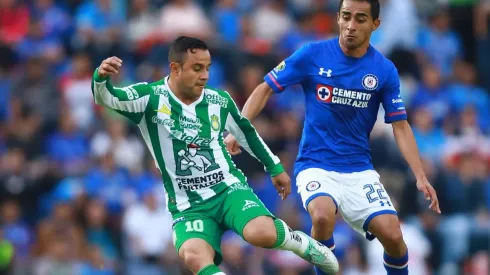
[[110, 66]]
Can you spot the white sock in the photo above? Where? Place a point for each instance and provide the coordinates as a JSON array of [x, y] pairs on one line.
[[288, 239]]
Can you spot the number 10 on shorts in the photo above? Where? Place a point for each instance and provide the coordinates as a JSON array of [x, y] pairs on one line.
[[194, 226], [376, 192]]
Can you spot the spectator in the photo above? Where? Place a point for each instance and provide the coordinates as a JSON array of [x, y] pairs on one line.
[[73, 86], [191, 18], [438, 44], [14, 21], [148, 239], [272, 14]]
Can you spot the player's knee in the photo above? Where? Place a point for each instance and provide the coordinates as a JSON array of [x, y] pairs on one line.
[[322, 212], [260, 232], [194, 258], [321, 216], [320, 220], [394, 237]]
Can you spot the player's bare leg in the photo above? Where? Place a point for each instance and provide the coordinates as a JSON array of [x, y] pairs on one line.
[[267, 232], [198, 256], [387, 230], [322, 211]]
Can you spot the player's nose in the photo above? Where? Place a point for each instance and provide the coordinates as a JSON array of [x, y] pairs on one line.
[[351, 26]]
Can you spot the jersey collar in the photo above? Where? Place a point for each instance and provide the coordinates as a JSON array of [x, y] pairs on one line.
[[193, 104]]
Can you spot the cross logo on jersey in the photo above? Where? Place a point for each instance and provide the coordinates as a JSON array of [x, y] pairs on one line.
[[324, 93]]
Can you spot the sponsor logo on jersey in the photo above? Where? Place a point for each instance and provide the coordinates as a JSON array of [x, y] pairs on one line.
[[194, 158], [237, 186], [327, 72], [313, 186], [280, 67], [131, 92], [164, 110], [166, 121], [197, 160], [201, 182], [215, 122], [370, 82], [249, 204], [334, 95], [197, 140], [160, 90], [190, 123], [217, 99]]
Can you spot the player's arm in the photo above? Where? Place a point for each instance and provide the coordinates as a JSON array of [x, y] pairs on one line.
[[130, 101], [246, 134], [395, 113], [289, 72]]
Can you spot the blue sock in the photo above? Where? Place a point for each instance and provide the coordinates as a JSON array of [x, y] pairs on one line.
[[396, 266], [330, 243]]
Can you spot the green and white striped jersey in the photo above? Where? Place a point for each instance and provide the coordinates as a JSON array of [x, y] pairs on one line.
[[186, 141]]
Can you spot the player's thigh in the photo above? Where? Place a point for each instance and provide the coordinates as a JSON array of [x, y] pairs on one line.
[[240, 207], [198, 227], [364, 198], [319, 192]]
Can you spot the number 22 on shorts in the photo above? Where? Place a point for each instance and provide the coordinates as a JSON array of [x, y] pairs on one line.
[[197, 226], [372, 189]]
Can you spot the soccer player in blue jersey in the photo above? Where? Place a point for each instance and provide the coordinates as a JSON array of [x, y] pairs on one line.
[[344, 81]]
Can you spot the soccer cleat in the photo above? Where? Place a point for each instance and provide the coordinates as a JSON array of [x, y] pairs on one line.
[[320, 256]]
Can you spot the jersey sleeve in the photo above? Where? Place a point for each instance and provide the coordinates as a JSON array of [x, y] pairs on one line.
[[129, 101], [290, 71], [392, 100], [249, 139]]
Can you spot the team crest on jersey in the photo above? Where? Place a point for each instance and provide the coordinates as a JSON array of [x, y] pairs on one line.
[[312, 186], [215, 122], [280, 67], [370, 82]]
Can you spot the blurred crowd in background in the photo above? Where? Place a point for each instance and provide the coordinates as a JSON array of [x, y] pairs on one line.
[[80, 194]]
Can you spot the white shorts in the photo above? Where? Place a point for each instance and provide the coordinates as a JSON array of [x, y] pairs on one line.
[[358, 196]]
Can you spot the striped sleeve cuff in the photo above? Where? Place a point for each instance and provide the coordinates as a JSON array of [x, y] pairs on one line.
[[98, 78], [396, 116], [273, 83], [276, 170]]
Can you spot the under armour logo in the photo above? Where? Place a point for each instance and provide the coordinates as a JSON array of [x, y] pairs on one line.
[[322, 70]]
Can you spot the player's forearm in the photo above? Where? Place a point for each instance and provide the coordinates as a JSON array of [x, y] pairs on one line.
[[257, 101], [408, 147]]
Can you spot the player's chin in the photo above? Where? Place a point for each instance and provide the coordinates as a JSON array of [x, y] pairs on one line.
[[198, 88]]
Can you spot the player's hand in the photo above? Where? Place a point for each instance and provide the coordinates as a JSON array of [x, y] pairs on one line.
[[110, 66], [282, 182], [232, 145], [429, 194]]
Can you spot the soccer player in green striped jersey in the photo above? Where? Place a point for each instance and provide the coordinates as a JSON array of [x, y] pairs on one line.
[[182, 122]]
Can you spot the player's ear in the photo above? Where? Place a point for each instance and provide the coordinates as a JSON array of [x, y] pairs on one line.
[[376, 24], [175, 67]]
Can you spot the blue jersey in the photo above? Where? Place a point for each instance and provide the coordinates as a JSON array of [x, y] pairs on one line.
[[342, 97]]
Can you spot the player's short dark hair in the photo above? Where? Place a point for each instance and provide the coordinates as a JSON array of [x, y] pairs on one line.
[[375, 7], [182, 45]]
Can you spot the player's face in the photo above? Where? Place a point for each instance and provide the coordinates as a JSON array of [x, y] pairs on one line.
[[356, 23], [193, 74]]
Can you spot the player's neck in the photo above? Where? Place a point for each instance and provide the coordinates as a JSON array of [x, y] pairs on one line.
[[357, 52], [177, 91]]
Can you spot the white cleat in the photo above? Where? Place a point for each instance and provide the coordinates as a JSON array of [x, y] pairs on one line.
[[320, 256]]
